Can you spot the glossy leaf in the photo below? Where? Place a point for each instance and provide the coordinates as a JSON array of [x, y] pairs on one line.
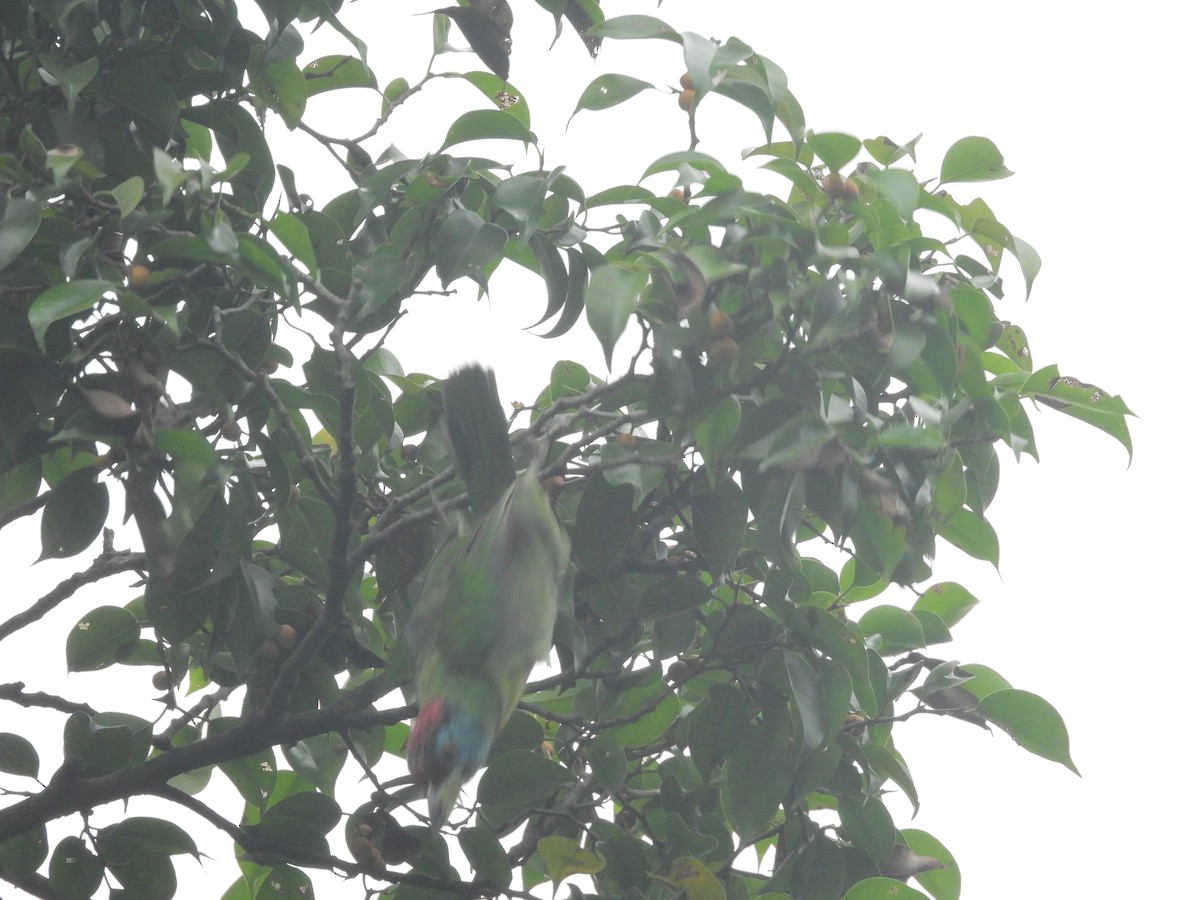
[[100, 639], [972, 159], [17, 755], [1031, 722]]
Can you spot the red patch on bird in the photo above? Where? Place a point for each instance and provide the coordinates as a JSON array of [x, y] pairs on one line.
[[427, 765]]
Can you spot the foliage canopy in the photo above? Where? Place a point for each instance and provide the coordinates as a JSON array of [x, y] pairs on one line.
[[818, 393]]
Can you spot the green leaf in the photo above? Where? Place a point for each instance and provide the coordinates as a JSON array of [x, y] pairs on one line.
[[759, 778], [655, 706], [563, 856], [887, 763], [17, 755], [254, 775], [868, 825], [21, 856], [1082, 401], [716, 431], [882, 889], [75, 872], [100, 638], [64, 301], [898, 629], [611, 299], [486, 855], [630, 28], [467, 245], [333, 73], [141, 834], [487, 124], [715, 726], [319, 759], [1029, 260], [972, 159], [306, 529], [603, 525], [318, 810], [293, 234], [521, 777], [610, 90], [18, 225], [948, 600], [285, 883], [972, 534], [719, 521], [282, 87], [1031, 722], [944, 883], [834, 149], [106, 742]]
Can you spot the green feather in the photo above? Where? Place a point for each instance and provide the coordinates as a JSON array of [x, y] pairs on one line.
[[489, 598], [478, 435]]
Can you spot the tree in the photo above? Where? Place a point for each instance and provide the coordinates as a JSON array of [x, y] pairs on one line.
[[818, 393]]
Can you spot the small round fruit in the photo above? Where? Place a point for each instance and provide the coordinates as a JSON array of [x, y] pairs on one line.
[[139, 275], [678, 194], [719, 325], [686, 98], [286, 636], [686, 81], [161, 680], [677, 671], [269, 651], [723, 353]]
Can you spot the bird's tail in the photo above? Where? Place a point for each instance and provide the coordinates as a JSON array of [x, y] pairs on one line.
[[478, 432]]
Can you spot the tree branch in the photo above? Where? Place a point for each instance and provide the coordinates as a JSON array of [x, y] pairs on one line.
[[106, 564]]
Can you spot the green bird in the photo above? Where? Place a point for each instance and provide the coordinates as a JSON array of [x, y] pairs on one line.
[[488, 603]]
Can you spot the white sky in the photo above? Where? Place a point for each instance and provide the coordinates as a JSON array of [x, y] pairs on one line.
[[1090, 107]]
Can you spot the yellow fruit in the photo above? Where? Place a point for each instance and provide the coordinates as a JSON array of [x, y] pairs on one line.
[[686, 98]]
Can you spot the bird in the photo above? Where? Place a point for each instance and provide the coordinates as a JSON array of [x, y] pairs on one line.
[[486, 609]]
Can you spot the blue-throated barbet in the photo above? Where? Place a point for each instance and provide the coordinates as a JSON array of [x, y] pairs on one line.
[[487, 606]]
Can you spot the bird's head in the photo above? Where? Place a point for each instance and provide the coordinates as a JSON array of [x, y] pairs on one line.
[[446, 747]]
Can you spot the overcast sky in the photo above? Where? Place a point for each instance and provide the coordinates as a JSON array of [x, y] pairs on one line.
[[1094, 109]]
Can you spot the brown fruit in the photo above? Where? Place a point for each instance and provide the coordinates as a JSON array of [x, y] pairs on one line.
[[139, 275], [230, 430], [723, 353], [269, 651], [719, 325], [677, 671], [686, 98], [161, 680], [686, 81], [838, 187], [365, 853], [286, 636], [678, 194], [625, 439]]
